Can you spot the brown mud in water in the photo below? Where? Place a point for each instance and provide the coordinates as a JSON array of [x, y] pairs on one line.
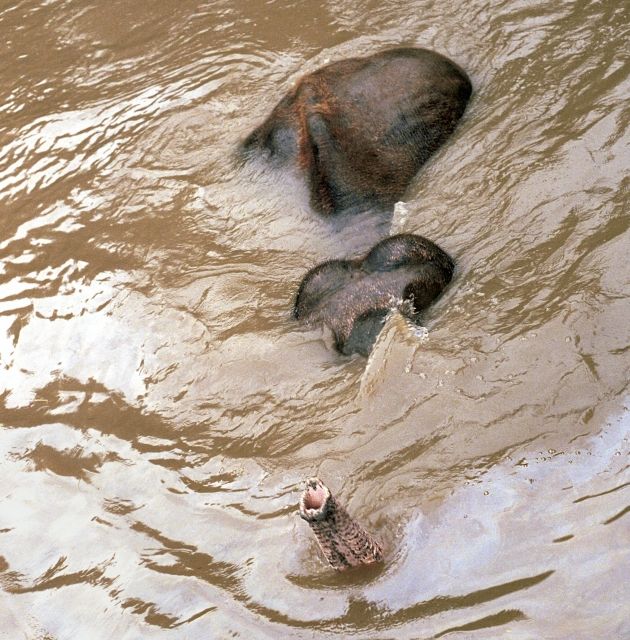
[[160, 408]]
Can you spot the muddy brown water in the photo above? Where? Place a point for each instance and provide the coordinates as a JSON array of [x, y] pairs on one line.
[[160, 409]]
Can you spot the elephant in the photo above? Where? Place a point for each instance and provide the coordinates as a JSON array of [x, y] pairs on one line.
[[360, 129], [344, 542], [353, 297]]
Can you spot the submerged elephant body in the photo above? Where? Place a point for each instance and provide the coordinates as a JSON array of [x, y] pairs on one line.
[[352, 297], [361, 128]]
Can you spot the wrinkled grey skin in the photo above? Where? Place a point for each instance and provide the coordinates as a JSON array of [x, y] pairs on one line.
[[345, 543]]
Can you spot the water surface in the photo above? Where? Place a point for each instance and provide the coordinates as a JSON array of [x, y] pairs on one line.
[[160, 408]]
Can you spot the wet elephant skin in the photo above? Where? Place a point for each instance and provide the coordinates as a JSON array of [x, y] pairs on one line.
[[361, 128], [352, 297]]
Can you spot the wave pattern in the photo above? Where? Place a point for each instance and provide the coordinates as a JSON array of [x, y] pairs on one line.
[[159, 409]]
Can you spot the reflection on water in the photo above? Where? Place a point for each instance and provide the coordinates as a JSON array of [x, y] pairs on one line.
[[160, 409]]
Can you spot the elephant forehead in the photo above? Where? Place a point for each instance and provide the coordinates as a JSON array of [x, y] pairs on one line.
[[363, 293]]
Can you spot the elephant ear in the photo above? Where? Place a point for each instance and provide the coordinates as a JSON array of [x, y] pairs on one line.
[[320, 283], [320, 152], [316, 148]]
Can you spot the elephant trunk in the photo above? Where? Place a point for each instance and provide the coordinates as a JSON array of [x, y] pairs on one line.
[[345, 543]]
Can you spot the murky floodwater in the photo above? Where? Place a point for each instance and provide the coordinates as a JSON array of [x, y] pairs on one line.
[[159, 407]]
